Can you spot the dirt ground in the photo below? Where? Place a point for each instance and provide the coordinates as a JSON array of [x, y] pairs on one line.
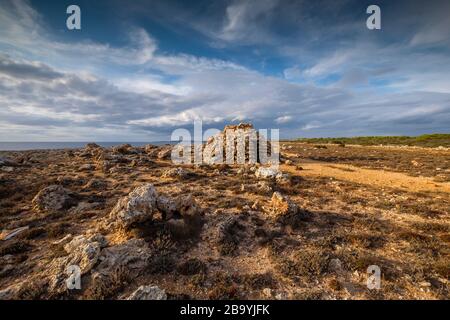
[[359, 206]]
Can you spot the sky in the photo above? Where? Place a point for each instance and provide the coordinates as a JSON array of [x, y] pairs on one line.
[[137, 70]]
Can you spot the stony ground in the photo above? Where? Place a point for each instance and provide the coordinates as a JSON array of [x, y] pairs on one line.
[[335, 212]]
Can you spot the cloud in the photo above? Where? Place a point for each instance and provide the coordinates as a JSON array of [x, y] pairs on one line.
[[283, 119], [51, 89]]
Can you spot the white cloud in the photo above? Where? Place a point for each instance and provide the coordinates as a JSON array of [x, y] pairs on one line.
[[283, 119]]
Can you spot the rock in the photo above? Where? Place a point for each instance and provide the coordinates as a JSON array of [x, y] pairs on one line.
[[166, 206], [263, 187], [283, 178], [165, 153], [218, 149], [6, 235], [132, 255], [123, 149], [267, 172], [415, 163], [137, 207], [87, 167], [176, 173], [53, 198], [187, 206], [267, 293], [187, 217], [95, 184], [92, 145], [335, 265], [82, 251], [7, 163], [425, 284], [84, 206], [7, 169], [149, 148], [281, 205], [148, 293], [288, 162]]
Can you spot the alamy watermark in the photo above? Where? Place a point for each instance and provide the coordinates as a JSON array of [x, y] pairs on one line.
[[374, 278], [73, 280]]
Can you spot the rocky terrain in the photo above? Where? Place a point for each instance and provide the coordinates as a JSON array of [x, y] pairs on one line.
[[140, 227]]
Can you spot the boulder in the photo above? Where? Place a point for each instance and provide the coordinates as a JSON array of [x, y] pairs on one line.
[[148, 293], [53, 198], [82, 251], [132, 255], [137, 207], [267, 172]]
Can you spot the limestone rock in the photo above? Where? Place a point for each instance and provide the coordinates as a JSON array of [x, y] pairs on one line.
[[176, 173], [148, 293], [53, 198], [267, 172], [138, 206], [236, 144], [132, 255], [82, 251]]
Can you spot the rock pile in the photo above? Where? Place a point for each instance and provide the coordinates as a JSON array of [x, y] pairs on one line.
[[237, 144]]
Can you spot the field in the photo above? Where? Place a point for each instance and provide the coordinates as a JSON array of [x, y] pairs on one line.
[[426, 140], [356, 206]]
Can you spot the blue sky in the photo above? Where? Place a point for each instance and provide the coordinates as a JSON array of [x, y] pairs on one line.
[[137, 70]]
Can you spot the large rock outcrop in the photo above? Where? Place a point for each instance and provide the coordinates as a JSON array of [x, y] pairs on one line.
[[238, 144]]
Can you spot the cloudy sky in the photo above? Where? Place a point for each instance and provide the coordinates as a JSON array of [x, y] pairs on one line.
[[139, 69]]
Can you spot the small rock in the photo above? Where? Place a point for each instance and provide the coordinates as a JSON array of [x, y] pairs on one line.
[[415, 163], [335, 265], [264, 172], [92, 145], [123, 149], [425, 284], [165, 153], [87, 167], [282, 206], [148, 293], [267, 292], [176, 173], [6, 235]]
